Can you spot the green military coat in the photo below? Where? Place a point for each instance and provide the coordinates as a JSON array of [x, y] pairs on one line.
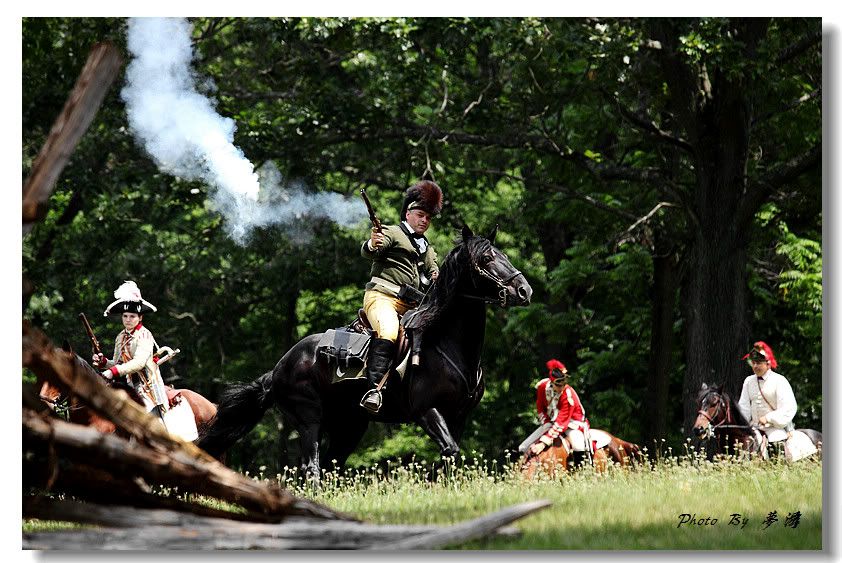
[[398, 262]]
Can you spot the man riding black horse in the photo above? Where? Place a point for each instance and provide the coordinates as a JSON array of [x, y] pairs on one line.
[[437, 393], [403, 265]]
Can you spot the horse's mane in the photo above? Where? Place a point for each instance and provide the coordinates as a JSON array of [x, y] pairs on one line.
[[441, 293]]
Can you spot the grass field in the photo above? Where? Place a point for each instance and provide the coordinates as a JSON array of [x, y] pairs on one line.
[[636, 509], [619, 510]]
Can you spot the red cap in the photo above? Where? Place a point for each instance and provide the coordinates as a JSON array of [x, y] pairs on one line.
[[762, 350], [553, 365]]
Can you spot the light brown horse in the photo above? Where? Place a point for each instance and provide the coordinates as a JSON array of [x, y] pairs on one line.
[[76, 411], [203, 409], [79, 413], [556, 459]]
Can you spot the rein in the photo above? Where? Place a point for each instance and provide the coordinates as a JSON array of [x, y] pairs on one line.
[[710, 419], [471, 392]]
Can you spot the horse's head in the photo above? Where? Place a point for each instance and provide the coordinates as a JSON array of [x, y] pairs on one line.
[[49, 394], [493, 277], [714, 410]]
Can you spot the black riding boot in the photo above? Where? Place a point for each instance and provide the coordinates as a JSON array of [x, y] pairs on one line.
[[380, 354]]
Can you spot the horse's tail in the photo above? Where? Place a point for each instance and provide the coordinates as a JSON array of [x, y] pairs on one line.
[[240, 408]]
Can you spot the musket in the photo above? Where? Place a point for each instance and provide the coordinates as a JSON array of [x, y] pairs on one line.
[[91, 335], [371, 214]]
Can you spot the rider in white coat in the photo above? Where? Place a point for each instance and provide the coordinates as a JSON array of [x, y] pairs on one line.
[[767, 399], [134, 350]]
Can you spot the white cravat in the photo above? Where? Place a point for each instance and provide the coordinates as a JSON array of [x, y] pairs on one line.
[[420, 241]]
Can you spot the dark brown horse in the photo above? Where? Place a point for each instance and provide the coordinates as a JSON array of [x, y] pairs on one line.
[[557, 457], [79, 413], [438, 394], [723, 430]]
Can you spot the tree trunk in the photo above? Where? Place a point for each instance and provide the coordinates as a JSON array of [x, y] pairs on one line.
[[715, 290], [665, 288], [715, 309]]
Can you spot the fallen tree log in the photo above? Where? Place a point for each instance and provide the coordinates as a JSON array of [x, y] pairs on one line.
[[175, 468], [78, 480], [138, 529], [466, 531], [166, 458]]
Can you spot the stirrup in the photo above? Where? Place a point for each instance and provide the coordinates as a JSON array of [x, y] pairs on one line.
[[372, 401]]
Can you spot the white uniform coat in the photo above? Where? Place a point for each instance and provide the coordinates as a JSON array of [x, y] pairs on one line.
[[133, 354], [781, 406]]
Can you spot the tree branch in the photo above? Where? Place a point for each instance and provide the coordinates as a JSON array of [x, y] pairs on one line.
[[795, 49], [645, 123], [790, 106], [567, 191], [787, 172], [626, 235]]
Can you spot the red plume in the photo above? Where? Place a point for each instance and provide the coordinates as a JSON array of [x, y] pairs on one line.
[[555, 364], [766, 351]]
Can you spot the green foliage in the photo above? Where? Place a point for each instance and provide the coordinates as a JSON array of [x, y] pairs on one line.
[[327, 309], [520, 121], [802, 284]]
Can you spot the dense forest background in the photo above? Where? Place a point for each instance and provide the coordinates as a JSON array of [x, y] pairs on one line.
[[658, 182]]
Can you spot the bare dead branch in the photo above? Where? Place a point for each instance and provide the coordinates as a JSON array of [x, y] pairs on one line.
[[101, 68], [626, 235]]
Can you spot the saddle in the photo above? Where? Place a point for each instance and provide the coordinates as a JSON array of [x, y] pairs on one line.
[[346, 348], [402, 343]]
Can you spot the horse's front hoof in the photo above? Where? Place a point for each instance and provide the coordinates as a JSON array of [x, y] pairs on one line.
[[450, 452]]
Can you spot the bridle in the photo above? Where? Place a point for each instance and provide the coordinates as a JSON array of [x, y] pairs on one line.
[[502, 284], [723, 424], [60, 405]]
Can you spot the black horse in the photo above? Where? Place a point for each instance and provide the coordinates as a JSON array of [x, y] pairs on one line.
[[438, 394], [723, 429]]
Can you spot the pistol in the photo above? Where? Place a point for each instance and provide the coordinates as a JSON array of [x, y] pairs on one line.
[[371, 214]]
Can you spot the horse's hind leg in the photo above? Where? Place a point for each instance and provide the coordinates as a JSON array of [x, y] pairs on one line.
[[344, 436], [306, 420]]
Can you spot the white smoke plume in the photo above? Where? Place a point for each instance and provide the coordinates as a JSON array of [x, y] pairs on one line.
[[180, 128]]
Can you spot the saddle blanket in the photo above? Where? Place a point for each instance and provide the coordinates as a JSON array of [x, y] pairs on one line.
[[798, 446], [599, 437], [180, 422]]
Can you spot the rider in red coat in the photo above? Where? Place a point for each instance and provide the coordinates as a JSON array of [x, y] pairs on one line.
[[559, 404]]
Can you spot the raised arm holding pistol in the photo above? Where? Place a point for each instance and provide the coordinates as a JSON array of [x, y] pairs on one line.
[[377, 238]]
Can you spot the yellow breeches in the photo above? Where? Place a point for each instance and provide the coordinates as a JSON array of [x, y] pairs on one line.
[[384, 312]]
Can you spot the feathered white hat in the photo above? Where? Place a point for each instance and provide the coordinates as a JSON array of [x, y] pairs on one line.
[[129, 301]]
